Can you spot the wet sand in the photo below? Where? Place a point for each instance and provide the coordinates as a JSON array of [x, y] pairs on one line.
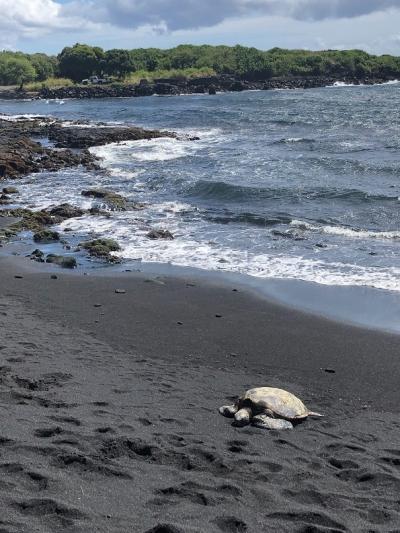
[[109, 419]]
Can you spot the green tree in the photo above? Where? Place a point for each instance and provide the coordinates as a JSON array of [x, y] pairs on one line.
[[80, 61], [45, 66], [150, 59], [118, 62], [16, 70], [183, 56]]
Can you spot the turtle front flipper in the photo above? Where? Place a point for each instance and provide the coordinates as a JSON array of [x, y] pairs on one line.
[[266, 422], [229, 410]]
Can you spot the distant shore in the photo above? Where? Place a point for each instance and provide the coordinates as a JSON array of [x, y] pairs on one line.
[[179, 86]]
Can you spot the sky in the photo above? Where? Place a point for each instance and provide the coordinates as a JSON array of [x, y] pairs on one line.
[[49, 25]]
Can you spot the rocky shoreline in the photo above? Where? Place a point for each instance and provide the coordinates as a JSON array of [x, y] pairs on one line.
[[44, 144], [22, 153], [179, 86]]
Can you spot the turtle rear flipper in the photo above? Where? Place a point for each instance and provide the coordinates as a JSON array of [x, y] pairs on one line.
[[266, 422], [316, 415]]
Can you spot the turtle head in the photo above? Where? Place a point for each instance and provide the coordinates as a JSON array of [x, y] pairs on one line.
[[243, 417]]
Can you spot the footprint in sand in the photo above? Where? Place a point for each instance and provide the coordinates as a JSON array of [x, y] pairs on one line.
[[230, 524]]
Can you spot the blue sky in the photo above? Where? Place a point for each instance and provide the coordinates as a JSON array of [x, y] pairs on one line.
[[49, 25]]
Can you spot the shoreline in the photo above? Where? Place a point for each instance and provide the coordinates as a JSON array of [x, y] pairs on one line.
[[349, 305], [182, 279], [191, 86]]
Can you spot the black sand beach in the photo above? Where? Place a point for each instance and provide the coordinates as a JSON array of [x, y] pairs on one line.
[[109, 417]]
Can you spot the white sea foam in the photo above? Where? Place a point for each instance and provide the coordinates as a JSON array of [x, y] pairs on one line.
[[204, 255], [93, 125], [391, 82], [163, 149], [190, 248], [346, 232], [344, 84], [203, 134], [153, 150], [113, 155], [124, 174], [57, 101], [293, 140], [17, 118]]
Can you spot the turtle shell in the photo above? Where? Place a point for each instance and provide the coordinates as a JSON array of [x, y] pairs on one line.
[[282, 403]]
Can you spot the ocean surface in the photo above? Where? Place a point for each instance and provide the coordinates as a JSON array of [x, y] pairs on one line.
[[282, 184]]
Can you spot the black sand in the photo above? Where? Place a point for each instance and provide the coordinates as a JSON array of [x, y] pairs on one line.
[[109, 419]]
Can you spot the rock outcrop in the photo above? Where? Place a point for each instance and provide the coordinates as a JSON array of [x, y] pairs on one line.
[[101, 249], [156, 234], [86, 137], [20, 154]]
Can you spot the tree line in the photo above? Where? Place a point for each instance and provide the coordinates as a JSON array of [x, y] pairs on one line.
[[82, 61]]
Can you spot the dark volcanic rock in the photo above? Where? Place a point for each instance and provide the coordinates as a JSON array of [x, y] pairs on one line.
[[181, 85], [81, 137], [20, 155], [37, 255], [4, 199], [62, 261], [28, 220], [102, 248], [112, 199], [160, 234], [206, 84], [46, 235], [65, 211], [96, 211]]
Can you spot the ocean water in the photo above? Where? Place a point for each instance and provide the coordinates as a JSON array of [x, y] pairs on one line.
[[282, 184]]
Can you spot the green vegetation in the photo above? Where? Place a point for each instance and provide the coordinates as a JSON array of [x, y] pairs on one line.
[[17, 68], [135, 77], [82, 61], [49, 83]]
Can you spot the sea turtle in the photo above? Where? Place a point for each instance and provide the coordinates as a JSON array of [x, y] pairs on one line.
[[267, 408]]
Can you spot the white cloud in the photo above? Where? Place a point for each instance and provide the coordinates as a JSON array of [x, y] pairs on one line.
[[299, 23], [33, 15], [191, 14], [30, 15]]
